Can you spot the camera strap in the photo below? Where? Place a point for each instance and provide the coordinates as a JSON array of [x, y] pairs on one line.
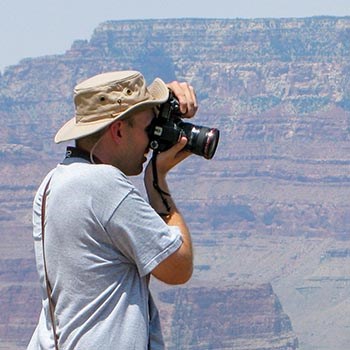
[[162, 193], [75, 152]]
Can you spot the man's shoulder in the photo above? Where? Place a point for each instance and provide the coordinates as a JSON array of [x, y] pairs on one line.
[[102, 171], [100, 177]]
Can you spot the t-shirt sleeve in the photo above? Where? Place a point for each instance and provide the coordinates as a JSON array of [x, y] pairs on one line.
[[140, 234]]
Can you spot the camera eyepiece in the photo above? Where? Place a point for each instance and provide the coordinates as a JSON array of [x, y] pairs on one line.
[[168, 127]]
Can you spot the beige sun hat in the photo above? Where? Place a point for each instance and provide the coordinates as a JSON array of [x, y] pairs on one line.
[[106, 97]]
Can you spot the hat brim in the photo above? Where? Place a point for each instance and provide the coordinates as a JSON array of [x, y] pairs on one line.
[[72, 130]]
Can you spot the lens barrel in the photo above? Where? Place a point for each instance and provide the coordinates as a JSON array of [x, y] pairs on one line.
[[202, 140]]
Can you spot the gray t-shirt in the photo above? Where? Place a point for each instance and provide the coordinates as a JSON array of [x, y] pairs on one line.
[[102, 240]]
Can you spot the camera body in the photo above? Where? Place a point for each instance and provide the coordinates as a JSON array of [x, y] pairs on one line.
[[168, 127]]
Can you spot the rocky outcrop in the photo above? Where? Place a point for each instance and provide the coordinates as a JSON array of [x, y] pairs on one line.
[[243, 317]]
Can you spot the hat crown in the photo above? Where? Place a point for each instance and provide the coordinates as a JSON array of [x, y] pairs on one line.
[[109, 94]]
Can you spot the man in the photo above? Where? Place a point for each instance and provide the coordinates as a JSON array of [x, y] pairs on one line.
[[102, 240]]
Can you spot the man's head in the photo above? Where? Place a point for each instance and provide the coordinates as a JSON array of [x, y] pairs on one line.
[[113, 111], [108, 97]]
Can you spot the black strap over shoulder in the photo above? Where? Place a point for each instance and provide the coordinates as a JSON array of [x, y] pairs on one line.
[[75, 152]]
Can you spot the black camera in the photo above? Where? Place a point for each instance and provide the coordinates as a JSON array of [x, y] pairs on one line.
[[167, 129]]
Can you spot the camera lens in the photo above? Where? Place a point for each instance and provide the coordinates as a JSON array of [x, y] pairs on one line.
[[202, 141], [206, 142]]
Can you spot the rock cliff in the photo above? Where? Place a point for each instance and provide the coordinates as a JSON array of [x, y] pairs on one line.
[[243, 317], [272, 207]]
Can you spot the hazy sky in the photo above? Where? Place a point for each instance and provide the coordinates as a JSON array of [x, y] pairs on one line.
[[32, 28]]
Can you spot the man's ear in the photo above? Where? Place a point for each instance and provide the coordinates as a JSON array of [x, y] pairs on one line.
[[116, 130]]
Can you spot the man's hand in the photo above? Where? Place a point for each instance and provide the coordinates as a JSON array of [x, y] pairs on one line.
[[188, 106], [187, 98], [170, 158]]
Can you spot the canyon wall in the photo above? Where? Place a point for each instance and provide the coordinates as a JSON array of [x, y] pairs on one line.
[[270, 211]]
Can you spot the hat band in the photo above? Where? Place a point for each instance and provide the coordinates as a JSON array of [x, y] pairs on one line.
[[91, 119]]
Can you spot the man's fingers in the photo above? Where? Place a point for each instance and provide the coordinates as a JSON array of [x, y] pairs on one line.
[[186, 95], [174, 155], [174, 150]]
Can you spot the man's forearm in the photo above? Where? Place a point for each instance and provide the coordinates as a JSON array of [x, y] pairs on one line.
[[173, 217], [170, 215]]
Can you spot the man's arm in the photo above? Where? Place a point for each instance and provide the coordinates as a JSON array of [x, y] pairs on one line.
[[178, 267]]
